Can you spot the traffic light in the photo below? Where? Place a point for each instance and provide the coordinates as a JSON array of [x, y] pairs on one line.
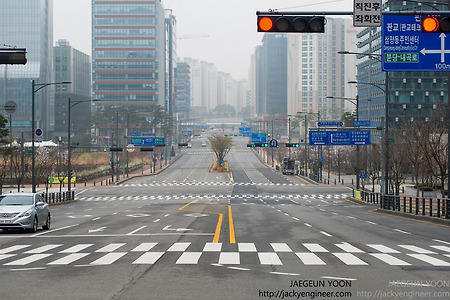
[[261, 145], [13, 57], [250, 145], [116, 149], [291, 23], [160, 145], [182, 144], [435, 24], [146, 149], [293, 145]]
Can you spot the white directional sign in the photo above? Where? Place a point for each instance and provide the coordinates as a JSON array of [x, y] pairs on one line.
[[367, 13]]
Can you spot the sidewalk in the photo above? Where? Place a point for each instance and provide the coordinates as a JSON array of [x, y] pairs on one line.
[[101, 181]]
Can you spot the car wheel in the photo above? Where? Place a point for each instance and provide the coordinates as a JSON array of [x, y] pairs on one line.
[[35, 225], [47, 224]]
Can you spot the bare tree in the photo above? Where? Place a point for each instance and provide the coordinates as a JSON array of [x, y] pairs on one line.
[[221, 145]]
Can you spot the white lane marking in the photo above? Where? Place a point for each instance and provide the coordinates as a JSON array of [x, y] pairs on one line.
[[108, 258], [315, 247], [28, 260], [338, 278], [13, 248], [157, 220], [286, 274], [29, 269], [389, 259], [417, 249], [43, 248], [309, 258], [349, 248], [431, 260], [296, 219], [189, 258], [76, 248], [268, 258], [309, 225], [148, 258], [350, 259], [144, 247], [371, 222], [247, 247], [68, 259], [95, 219], [401, 231], [239, 269], [178, 247], [280, 247], [212, 247], [444, 242], [382, 248], [53, 230], [136, 230], [325, 233], [111, 247], [229, 258]]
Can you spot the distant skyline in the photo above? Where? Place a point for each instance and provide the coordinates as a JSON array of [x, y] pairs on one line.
[[230, 25]]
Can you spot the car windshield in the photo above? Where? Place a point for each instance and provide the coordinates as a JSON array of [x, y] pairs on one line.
[[16, 200]]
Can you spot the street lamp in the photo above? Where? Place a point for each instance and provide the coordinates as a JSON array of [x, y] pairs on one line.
[[69, 146], [354, 101], [35, 87], [306, 139], [386, 128]]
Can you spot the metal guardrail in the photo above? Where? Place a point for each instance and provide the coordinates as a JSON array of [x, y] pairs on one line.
[[433, 207]]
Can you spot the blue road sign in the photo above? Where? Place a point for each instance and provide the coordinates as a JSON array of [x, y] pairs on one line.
[[186, 132], [259, 138], [405, 48], [245, 131], [329, 124], [361, 123], [362, 176], [38, 132], [149, 134], [135, 134], [273, 143], [339, 138]]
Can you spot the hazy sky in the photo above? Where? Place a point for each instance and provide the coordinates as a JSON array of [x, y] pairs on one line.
[[230, 24]]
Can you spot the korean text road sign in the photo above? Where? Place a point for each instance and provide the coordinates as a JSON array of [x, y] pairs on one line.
[[339, 138], [259, 138], [367, 13], [405, 48]]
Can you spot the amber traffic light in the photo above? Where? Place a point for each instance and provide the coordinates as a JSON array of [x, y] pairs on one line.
[[437, 24], [291, 23]]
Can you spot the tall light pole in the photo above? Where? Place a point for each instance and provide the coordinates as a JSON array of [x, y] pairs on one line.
[[69, 146], [306, 139], [354, 101], [35, 87]]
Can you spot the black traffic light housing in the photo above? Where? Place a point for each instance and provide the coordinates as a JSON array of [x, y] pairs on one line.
[[146, 149], [116, 149], [182, 144], [292, 145], [261, 145], [13, 56], [434, 24], [291, 23]]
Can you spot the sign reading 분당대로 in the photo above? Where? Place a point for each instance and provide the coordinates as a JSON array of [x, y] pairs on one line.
[[367, 13]]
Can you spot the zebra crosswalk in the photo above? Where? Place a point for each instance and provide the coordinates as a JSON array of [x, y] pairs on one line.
[[169, 184], [239, 254], [292, 197]]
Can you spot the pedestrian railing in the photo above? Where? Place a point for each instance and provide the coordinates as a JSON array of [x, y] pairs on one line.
[[433, 207]]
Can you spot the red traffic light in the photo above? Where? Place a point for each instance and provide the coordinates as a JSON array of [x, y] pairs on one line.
[[436, 24], [291, 23]]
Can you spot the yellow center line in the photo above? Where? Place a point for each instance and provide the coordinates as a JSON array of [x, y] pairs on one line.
[[230, 220], [219, 222]]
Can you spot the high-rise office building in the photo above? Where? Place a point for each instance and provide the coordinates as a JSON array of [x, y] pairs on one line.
[[128, 57], [410, 94], [28, 24], [74, 66]]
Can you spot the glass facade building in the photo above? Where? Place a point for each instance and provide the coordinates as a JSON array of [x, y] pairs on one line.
[[28, 24], [128, 54], [410, 94]]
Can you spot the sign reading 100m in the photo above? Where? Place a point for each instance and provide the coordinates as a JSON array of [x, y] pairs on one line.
[[406, 48]]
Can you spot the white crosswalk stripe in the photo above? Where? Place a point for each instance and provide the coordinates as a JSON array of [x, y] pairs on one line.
[[288, 197], [188, 253]]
